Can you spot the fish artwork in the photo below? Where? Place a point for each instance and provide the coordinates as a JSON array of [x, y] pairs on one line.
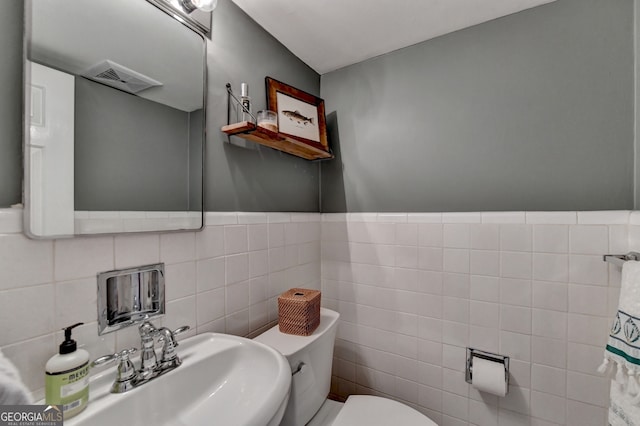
[[297, 117]]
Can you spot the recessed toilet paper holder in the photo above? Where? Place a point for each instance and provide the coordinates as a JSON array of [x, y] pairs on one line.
[[476, 353]]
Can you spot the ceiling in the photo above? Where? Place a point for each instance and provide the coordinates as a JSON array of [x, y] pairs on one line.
[[332, 34]]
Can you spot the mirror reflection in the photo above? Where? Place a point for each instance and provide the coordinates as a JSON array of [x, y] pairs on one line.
[[115, 105]]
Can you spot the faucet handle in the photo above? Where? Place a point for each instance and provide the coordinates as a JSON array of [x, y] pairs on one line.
[[104, 360], [180, 330], [123, 355], [174, 333], [126, 372], [170, 358]]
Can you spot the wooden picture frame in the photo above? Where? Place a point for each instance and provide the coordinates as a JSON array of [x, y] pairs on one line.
[[301, 115]]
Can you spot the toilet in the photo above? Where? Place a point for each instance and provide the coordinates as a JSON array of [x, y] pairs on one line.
[[310, 358]]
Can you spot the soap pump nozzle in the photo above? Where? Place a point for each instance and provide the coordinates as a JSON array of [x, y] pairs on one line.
[[69, 345]]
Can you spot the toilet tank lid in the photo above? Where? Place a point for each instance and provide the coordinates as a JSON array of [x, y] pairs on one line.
[[289, 344]]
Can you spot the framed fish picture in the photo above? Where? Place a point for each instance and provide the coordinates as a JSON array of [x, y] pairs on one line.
[[300, 114]]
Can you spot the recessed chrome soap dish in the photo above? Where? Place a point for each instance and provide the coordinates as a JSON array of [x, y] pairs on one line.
[[129, 296]]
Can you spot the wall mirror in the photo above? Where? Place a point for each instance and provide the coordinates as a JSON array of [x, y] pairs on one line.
[[115, 97]]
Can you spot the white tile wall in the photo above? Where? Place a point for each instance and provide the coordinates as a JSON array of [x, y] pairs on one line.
[[531, 285], [225, 278], [413, 291]]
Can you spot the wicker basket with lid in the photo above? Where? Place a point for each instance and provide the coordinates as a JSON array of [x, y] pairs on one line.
[[299, 311]]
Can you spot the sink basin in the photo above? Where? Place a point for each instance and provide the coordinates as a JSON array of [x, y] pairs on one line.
[[223, 380]]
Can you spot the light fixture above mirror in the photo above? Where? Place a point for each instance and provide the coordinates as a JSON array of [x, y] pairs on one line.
[[204, 5], [196, 14]]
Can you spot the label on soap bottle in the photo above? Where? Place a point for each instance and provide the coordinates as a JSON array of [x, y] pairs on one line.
[[69, 389]]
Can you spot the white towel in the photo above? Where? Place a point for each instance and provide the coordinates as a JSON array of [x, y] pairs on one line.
[[623, 351], [12, 390]]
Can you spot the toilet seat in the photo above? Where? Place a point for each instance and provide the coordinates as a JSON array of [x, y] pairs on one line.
[[365, 410]]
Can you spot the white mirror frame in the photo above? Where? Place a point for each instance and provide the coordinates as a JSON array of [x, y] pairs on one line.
[[62, 220]]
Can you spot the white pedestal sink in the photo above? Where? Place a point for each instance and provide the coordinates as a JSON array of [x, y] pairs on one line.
[[223, 380]]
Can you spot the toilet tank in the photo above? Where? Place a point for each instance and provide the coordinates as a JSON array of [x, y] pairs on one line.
[[310, 358]]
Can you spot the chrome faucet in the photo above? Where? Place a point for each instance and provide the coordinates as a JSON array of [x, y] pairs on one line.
[[127, 377], [148, 359]]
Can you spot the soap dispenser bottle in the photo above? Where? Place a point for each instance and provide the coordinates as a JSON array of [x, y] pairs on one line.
[[67, 377]]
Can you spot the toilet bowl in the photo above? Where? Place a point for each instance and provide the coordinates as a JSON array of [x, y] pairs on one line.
[[310, 359]]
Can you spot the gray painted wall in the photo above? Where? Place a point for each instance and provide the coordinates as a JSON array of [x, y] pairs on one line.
[[243, 175], [238, 176], [130, 153], [533, 111], [11, 106], [195, 160]]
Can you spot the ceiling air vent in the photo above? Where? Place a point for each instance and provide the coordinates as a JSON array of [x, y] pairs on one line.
[[113, 74]]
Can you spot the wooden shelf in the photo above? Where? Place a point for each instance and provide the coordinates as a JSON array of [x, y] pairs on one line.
[[279, 141]]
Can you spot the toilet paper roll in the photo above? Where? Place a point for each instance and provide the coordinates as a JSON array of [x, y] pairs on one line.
[[489, 376]]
